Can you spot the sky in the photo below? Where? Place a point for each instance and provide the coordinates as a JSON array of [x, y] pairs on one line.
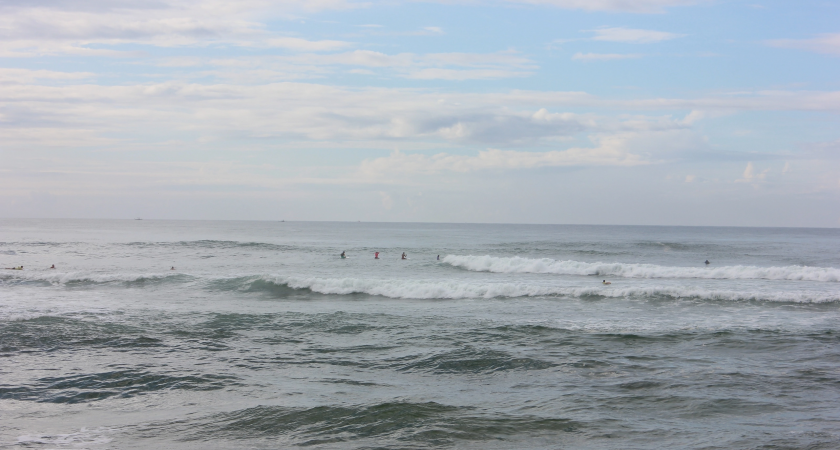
[[636, 112]]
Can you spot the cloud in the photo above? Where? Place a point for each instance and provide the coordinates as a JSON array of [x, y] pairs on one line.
[[609, 153], [442, 66], [26, 76], [304, 45], [40, 109], [453, 74], [749, 175], [630, 35], [634, 6], [387, 201], [44, 28], [828, 43], [604, 56]]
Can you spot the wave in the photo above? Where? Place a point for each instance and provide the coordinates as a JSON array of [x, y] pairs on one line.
[[395, 424], [286, 286], [215, 244], [70, 278], [545, 265], [430, 289], [121, 384]]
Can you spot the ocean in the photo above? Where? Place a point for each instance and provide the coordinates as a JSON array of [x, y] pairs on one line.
[[257, 335]]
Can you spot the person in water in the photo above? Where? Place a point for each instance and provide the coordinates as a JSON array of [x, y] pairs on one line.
[[438, 258], [343, 255], [52, 266], [173, 268], [605, 282], [376, 255], [707, 262], [404, 256]]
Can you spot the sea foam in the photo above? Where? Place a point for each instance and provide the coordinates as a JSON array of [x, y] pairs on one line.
[[432, 289], [545, 265]]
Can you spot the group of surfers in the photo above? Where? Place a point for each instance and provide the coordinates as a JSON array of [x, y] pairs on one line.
[[376, 255], [21, 267]]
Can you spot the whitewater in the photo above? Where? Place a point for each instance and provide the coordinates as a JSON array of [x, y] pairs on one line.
[[183, 334]]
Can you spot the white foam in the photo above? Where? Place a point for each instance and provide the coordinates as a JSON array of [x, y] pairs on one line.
[[546, 265], [82, 439], [431, 289], [54, 277]]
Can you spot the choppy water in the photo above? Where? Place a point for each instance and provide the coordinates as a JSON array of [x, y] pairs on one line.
[[263, 338]]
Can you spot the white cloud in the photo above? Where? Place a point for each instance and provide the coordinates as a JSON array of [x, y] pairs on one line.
[[446, 66], [387, 201], [40, 27], [611, 152], [630, 35], [604, 56], [12, 75], [828, 43], [749, 175], [635, 6], [456, 74], [304, 45]]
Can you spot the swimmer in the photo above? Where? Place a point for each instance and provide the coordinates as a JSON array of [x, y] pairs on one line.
[[173, 268], [404, 256], [343, 255], [707, 262], [438, 258], [376, 255], [52, 266], [605, 282]]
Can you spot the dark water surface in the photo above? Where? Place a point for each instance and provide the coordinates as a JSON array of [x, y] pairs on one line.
[[263, 338]]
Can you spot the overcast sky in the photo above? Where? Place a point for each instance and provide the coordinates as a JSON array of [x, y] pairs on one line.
[[666, 112]]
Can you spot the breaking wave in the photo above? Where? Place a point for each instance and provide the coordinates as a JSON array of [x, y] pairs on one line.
[[431, 289], [70, 278], [280, 285], [546, 265]]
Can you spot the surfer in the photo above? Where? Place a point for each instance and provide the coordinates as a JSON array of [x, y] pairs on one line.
[[404, 256], [376, 255], [707, 262], [173, 268], [52, 266], [14, 268], [343, 255], [438, 258], [605, 282]]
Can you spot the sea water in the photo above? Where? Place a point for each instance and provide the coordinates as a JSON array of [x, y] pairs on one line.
[[263, 337]]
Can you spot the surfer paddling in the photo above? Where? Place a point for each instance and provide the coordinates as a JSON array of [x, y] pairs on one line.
[[605, 282]]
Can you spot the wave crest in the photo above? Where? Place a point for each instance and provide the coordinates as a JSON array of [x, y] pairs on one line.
[[431, 289], [545, 265]]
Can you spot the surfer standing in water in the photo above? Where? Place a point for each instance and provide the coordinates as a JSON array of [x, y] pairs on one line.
[[404, 256]]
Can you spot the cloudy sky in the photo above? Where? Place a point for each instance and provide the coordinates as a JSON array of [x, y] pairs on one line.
[[669, 112]]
